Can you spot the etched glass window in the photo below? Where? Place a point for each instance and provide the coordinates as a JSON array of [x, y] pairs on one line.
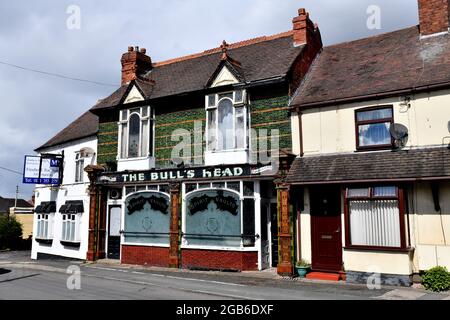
[[213, 218]]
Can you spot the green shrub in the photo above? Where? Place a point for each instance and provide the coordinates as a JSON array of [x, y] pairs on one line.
[[436, 279], [10, 233]]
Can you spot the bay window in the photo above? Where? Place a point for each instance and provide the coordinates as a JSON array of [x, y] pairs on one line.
[[375, 217], [372, 128], [136, 133], [227, 121]]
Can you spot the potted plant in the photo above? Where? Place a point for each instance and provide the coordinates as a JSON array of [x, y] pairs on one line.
[[302, 267]]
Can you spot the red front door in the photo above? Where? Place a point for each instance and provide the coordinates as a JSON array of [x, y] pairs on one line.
[[326, 228]]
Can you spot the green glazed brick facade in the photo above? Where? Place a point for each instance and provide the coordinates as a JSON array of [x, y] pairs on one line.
[[107, 143], [265, 114], [270, 114], [183, 121]]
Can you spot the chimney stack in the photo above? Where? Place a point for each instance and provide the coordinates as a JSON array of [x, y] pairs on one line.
[[434, 16], [305, 31], [135, 63]]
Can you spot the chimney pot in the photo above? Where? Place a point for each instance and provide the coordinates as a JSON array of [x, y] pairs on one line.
[[304, 29], [135, 63]]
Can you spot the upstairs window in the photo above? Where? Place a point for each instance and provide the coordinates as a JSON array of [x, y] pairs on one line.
[[372, 128], [136, 130], [79, 167], [227, 121]]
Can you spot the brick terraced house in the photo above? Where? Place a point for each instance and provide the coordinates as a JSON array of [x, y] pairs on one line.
[[190, 157], [374, 158]]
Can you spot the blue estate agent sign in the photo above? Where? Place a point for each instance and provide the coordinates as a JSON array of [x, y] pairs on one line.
[[42, 170]]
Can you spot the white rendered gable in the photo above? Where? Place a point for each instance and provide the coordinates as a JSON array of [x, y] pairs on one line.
[[224, 77], [134, 96]]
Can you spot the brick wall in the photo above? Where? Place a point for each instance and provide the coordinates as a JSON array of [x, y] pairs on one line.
[[219, 260], [108, 140], [433, 16], [167, 123], [142, 255], [270, 113]]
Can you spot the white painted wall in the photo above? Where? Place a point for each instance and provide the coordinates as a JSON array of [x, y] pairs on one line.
[[225, 77], [331, 129], [398, 263], [133, 96], [69, 190], [430, 230]]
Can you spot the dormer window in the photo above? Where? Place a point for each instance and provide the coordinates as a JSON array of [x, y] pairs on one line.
[[227, 121], [136, 132]]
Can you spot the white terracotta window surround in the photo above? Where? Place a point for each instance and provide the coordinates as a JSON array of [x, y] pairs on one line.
[[136, 139], [227, 128]]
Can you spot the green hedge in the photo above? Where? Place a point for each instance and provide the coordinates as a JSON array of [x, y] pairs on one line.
[[436, 279]]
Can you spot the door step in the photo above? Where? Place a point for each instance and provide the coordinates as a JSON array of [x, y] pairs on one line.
[[326, 276]]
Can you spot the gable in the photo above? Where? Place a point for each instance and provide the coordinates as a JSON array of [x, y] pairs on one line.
[[133, 96], [225, 77]]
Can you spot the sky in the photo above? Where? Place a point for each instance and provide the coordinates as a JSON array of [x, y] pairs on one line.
[[46, 35]]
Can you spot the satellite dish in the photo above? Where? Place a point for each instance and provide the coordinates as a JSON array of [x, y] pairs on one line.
[[400, 134]]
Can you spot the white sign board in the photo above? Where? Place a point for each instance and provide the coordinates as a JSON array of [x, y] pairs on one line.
[[39, 170]]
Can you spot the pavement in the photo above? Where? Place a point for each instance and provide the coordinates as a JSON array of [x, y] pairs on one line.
[[50, 279]]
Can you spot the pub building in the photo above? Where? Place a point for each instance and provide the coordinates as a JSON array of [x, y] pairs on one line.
[[220, 203]]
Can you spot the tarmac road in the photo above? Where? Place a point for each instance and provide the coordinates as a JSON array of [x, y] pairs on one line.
[[24, 279]]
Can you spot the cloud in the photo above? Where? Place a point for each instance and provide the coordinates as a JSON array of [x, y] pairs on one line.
[[34, 34]]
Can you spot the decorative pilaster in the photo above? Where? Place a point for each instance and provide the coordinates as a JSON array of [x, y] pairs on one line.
[[285, 266], [174, 257], [95, 214]]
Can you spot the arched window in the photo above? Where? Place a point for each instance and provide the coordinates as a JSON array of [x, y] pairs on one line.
[[136, 128], [134, 135], [227, 124]]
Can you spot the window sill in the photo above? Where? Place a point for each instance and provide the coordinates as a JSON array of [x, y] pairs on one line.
[[226, 151], [44, 241], [375, 148], [142, 163], [218, 248], [70, 244], [227, 157], [378, 249]]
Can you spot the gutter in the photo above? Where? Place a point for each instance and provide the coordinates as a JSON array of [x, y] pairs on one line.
[[369, 181], [311, 105]]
